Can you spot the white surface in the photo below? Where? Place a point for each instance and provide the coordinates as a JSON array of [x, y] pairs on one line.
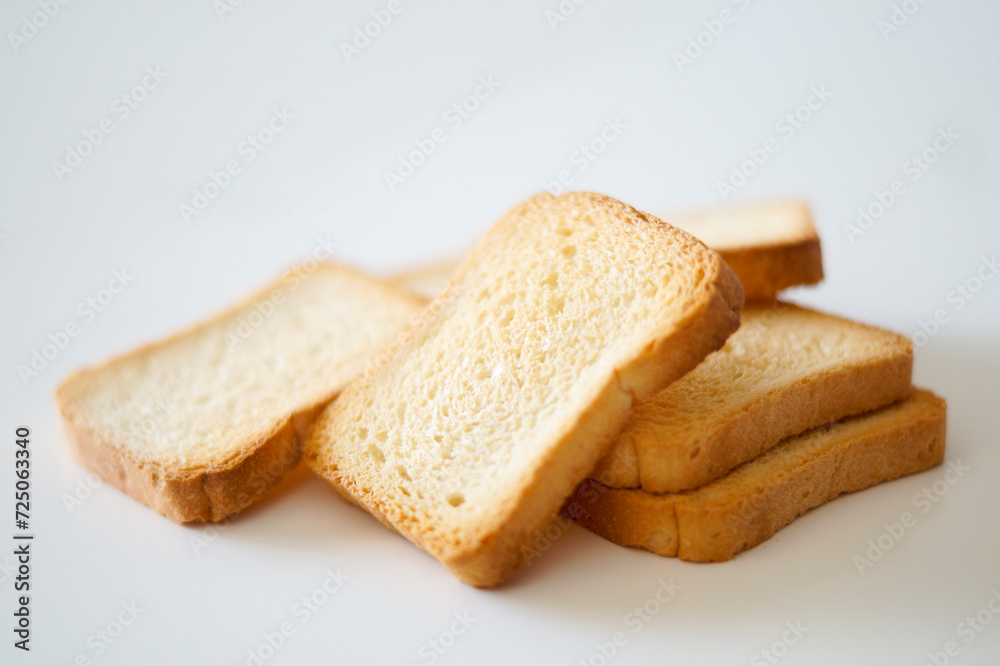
[[323, 177]]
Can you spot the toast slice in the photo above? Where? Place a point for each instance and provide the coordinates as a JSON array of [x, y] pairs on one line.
[[786, 370], [200, 425], [770, 246], [496, 405], [746, 507]]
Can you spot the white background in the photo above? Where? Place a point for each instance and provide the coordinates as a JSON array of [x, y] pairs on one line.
[[323, 177]]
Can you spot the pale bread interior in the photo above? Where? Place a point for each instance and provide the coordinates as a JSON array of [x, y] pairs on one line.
[[560, 296], [204, 397], [747, 225]]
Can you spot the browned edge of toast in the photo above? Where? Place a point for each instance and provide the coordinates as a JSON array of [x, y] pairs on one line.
[[767, 270], [495, 550], [715, 523], [196, 495], [206, 493], [501, 553], [640, 460]]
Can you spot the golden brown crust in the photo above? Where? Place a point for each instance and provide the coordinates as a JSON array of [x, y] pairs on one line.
[[767, 270], [192, 495], [704, 330], [846, 391], [574, 456], [644, 457], [207, 492], [665, 360], [718, 521], [501, 542], [499, 553]]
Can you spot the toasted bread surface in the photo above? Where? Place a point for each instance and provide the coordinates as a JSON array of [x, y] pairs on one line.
[[492, 408], [200, 425], [746, 507], [786, 370]]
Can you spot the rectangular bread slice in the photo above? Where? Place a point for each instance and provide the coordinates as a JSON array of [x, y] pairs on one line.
[[786, 370], [493, 408], [746, 507], [770, 246], [200, 425]]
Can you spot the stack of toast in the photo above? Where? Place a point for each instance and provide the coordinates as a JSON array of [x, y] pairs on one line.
[[796, 408], [584, 357]]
